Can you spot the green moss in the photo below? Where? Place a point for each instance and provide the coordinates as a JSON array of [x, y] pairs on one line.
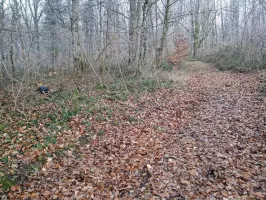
[[2, 127], [7, 182], [100, 87]]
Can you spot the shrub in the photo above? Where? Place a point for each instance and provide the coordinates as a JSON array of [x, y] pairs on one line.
[[235, 58], [181, 50], [165, 66]]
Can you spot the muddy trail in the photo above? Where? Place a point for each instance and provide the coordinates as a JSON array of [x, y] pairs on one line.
[[203, 140]]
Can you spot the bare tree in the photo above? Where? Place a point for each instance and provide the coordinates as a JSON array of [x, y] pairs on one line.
[[164, 31], [131, 34], [36, 10], [2, 49], [74, 28], [143, 36]]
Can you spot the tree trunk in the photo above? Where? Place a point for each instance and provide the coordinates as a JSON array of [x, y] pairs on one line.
[[143, 37], [164, 32], [77, 60], [196, 33], [135, 8], [195, 26], [14, 22], [2, 50]]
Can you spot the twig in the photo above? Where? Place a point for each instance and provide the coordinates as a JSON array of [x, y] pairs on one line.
[[21, 112], [103, 50]]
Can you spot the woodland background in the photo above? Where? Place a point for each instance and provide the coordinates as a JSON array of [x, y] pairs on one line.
[[110, 37], [136, 107]]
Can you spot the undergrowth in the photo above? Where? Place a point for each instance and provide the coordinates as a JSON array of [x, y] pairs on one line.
[[33, 135], [236, 59], [135, 85], [165, 66]]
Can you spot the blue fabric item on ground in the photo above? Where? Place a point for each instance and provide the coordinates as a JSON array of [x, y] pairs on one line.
[[43, 89]]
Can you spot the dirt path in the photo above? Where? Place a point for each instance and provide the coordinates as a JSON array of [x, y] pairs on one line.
[[203, 141], [223, 149]]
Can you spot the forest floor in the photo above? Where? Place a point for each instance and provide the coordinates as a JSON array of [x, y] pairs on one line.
[[203, 137]]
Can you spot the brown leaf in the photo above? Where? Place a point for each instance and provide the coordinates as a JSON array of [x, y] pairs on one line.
[[193, 172], [260, 195], [47, 193], [184, 181]]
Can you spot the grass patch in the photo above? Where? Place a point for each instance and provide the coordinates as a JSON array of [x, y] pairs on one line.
[[7, 181], [165, 66], [2, 128], [101, 133], [139, 85], [99, 87]]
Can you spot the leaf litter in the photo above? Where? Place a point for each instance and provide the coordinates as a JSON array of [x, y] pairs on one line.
[[204, 142]]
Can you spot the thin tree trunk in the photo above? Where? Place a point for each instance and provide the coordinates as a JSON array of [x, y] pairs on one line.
[[12, 55], [196, 33], [263, 4], [2, 50], [77, 61], [164, 32], [143, 37]]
